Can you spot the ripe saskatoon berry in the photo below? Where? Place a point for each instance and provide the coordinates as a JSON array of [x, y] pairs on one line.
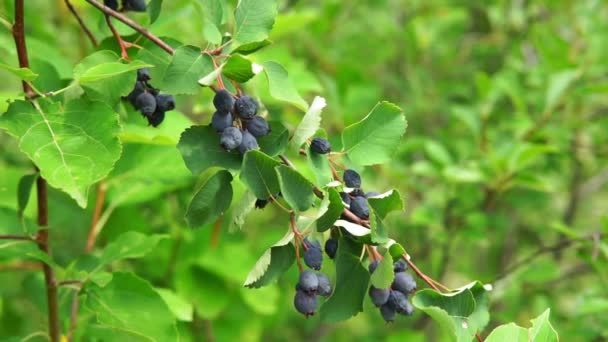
[[143, 75], [113, 4], [139, 89], [223, 101], [146, 103], [258, 126], [134, 5], [245, 107], [221, 121], [371, 194], [397, 301], [248, 143], [345, 198], [305, 303], [359, 207], [320, 146], [379, 296], [156, 118], [308, 281], [407, 310], [231, 138], [352, 179], [324, 289], [400, 266], [260, 203], [373, 265], [357, 192], [313, 256], [331, 247], [165, 102], [388, 312], [404, 282]]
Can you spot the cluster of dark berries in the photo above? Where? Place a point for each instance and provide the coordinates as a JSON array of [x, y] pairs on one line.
[[127, 5], [237, 122], [148, 100], [393, 300], [331, 247], [356, 199], [311, 284], [320, 146]]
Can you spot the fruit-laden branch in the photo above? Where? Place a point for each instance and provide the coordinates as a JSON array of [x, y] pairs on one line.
[[42, 237], [133, 25], [81, 23]]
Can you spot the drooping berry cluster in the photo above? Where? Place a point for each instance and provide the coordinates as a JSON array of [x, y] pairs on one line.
[[148, 100], [354, 197], [127, 5], [311, 284], [393, 300], [237, 122]]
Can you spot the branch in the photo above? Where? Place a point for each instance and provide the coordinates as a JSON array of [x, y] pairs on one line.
[[109, 12], [81, 23], [19, 36], [16, 237]]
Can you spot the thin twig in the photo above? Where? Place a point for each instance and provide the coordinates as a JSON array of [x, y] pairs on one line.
[[420, 274], [16, 237], [133, 25], [478, 337], [81, 23]]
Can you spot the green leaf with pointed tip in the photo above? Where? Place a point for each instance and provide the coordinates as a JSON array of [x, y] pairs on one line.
[[374, 139], [333, 213], [108, 70], [181, 308], [154, 8], [213, 13], [541, 330], [200, 149], [276, 141], [239, 68], [128, 245], [74, 145], [280, 85], [258, 173], [187, 66], [275, 261], [23, 73], [250, 48], [295, 188], [310, 123], [508, 333], [23, 191], [253, 21], [211, 200], [128, 304], [384, 275], [351, 283], [385, 203]]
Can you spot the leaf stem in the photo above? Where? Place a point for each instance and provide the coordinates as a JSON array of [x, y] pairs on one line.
[[297, 239]]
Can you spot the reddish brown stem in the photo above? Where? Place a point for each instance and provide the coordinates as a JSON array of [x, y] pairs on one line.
[[19, 37], [15, 237], [133, 25], [101, 195], [121, 43], [478, 337], [83, 26], [297, 239], [420, 274], [215, 233]]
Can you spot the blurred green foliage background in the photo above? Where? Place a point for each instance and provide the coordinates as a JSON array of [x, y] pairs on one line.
[[505, 157]]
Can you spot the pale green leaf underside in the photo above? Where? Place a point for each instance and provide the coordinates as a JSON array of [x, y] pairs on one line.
[[310, 123]]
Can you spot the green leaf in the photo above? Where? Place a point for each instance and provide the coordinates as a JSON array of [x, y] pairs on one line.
[[23, 73], [200, 149], [186, 68], [310, 123], [385, 203], [107, 70], [275, 142], [558, 84], [379, 231], [295, 188], [374, 139], [240, 210], [211, 200], [259, 174], [154, 8], [275, 261], [180, 307], [73, 146], [437, 153], [351, 284], [280, 86], [250, 48], [320, 167], [128, 304], [384, 275], [213, 11], [253, 21], [240, 68], [23, 191], [541, 330], [333, 213], [128, 245]]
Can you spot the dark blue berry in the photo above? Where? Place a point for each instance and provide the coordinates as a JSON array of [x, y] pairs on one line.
[[324, 288], [331, 247], [305, 303], [165, 102], [223, 101], [221, 121], [404, 283], [258, 126], [245, 107], [248, 143], [320, 146], [360, 207], [313, 256], [379, 296], [308, 281], [146, 103], [352, 179]]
